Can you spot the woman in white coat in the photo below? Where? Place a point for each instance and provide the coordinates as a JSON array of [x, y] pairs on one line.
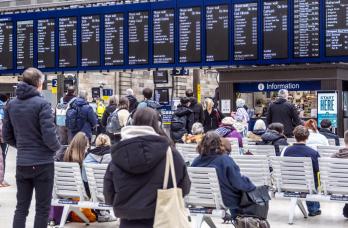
[[315, 139]]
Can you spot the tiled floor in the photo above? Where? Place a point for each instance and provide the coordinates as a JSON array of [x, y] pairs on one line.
[[278, 214]]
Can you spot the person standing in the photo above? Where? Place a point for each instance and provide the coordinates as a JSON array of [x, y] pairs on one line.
[[182, 120], [29, 127], [148, 102], [3, 146], [133, 102], [196, 107], [113, 103], [282, 111], [212, 116]]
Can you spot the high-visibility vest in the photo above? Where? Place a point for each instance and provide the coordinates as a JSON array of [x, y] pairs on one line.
[[100, 109]]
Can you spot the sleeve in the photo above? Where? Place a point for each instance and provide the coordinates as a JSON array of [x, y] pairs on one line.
[[48, 129], [7, 129], [296, 121], [237, 180], [182, 177], [108, 190], [92, 117], [105, 117], [337, 140], [269, 115]]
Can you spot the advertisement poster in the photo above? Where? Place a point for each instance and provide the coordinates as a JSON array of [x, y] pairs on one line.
[[327, 107]]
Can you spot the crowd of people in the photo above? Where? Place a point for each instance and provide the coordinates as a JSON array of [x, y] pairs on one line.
[[133, 142]]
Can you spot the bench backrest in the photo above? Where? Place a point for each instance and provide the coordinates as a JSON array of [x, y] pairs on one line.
[[332, 142], [291, 141], [327, 151], [267, 150], [256, 167], [205, 188], [95, 176], [342, 143], [187, 151], [334, 175], [68, 181], [293, 174]]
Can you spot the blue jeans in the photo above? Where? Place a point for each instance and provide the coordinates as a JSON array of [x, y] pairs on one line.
[[313, 206]]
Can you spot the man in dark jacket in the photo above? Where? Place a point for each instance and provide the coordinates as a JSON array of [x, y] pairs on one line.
[[196, 107], [281, 111], [133, 102], [325, 129], [182, 120], [274, 135], [85, 117], [29, 127]]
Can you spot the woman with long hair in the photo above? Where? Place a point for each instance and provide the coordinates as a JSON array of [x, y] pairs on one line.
[[136, 171], [212, 116], [315, 138], [77, 149]]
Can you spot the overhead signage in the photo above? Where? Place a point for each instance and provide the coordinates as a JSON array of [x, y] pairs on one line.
[[275, 86]]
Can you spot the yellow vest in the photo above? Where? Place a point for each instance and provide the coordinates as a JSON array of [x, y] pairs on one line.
[[100, 109]]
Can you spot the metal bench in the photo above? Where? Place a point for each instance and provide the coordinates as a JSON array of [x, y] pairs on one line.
[[327, 151], [187, 151], [267, 150], [205, 200]]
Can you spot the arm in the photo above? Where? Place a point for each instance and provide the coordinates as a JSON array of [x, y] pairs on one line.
[[92, 117], [296, 121], [108, 190], [48, 129], [337, 140], [105, 117], [236, 179], [7, 129], [269, 116]]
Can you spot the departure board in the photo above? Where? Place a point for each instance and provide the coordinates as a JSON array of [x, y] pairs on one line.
[[306, 28], [190, 35], [275, 29], [46, 43], [90, 40], [336, 27], [67, 42], [6, 45], [113, 39], [25, 44], [163, 36], [138, 37], [217, 30], [245, 31]]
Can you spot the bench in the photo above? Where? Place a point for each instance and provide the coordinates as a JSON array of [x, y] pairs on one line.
[[267, 150], [187, 151], [327, 151], [205, 200]]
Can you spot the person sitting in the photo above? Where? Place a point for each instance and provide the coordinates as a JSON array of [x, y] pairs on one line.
[[232, 182], [101, 154], [325, 129], [182, 120], [227, 130], [274, 135], [197, 134], [300, 149], [343, 153], [259, 129], [315, 138]]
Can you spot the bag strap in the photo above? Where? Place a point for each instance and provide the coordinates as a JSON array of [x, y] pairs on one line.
[[169, 167]]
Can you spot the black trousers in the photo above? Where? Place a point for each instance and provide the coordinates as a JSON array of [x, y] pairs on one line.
[[4, 148], [142, 223], [28, 178]]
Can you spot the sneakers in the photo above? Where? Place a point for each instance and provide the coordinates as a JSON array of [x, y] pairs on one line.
[[315, 213], [105, 216]]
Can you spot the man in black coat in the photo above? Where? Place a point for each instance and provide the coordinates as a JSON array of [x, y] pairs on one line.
[[29, 127], [133, 102], [196, 107], [325, 129], [282, 111]]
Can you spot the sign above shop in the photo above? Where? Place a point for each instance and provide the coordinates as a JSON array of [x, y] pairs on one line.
[[275, 86]]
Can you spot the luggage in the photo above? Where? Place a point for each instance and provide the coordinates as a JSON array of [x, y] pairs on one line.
[[255, 203], [55, 215], [251, 222]]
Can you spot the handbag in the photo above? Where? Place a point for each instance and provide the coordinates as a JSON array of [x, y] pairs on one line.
[[170, 207]]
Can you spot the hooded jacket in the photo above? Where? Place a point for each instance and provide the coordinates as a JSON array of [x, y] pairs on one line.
[[133, 103], [29, 126], [197, 110], [272, 137], [149, 103], [330, 135], [186, 115], [255, 135], [136, 172], [281, 111]]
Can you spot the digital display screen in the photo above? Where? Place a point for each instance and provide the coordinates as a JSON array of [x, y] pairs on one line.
[[25, 44], [113, 39], [217, 30], [160, 76], [275, 29], [162, 96], [336, 27], [245, 31], [6, 45], [138, 37], [67, 42], [46, 43], [306, 28], [190, 35], [90, 40], [163, 36]]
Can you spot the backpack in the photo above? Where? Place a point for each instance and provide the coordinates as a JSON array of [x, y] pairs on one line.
[[74, 118], [113, 125], [178, 123], [61, 111]]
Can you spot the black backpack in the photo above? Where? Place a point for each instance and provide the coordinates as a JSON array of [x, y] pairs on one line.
[[74, 118]]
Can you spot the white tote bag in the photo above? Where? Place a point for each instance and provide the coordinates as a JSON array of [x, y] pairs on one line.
[[170, 206]]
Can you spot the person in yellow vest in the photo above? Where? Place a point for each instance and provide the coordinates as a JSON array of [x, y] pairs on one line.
[[100, 108]]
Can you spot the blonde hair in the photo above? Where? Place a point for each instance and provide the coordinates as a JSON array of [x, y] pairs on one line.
[[209, 105], [77, 148], [240, 103], [259, 125], [102, 140]]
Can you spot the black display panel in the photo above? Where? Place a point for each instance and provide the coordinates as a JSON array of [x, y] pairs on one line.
[[25, 44], [6, 45], [275, 29], [90, 40], [113, 39], [190, 35], [245, 31], [67, 42], [160, 76], [336, 27], [46, 43], [306, 28], [138, 37], [163, 36], [162, 96], [217, 30]]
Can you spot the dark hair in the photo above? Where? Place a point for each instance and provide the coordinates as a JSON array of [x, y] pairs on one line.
[[71, 90], [189, 93], [301, 133], [123, 103], [184, 100], [147, 92], [325, 123], [3, 98], [312, 125], [210, 144], [279, 127], [33, 76]]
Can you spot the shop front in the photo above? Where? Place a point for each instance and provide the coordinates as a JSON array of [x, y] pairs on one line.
[[259, 86]]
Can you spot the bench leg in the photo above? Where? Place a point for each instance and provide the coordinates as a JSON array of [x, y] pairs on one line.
[[209, 221], [81, 215], [293, 204], [199, 221], [302, 208], [65, 214]]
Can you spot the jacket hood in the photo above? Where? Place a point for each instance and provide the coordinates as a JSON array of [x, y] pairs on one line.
[[206, 160], [342, 153], [80, 102], [280, 100], [100, 151], [152, 104], [259, 132], [182, 111], [271, 135], [25, 91], [141, 153], [129, 132]]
